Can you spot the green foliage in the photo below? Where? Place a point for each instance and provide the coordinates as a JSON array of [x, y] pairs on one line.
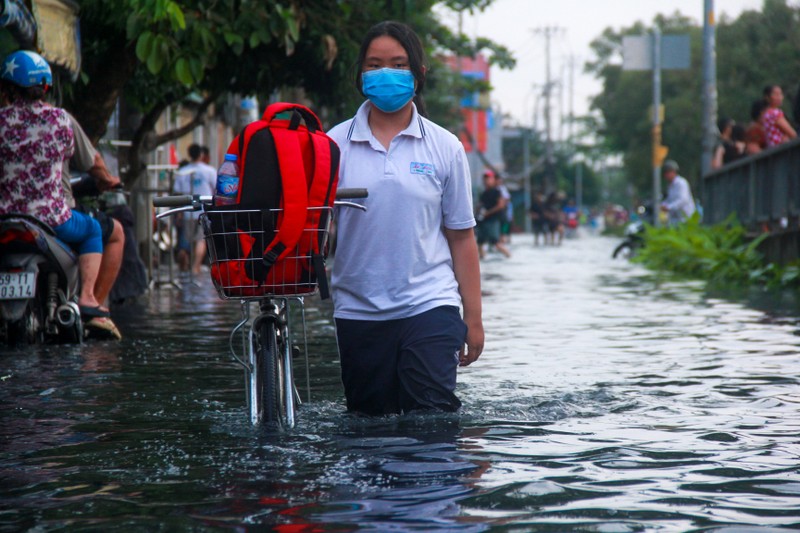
[[565, 165], [155, 52], [720, 254], [756, 49]]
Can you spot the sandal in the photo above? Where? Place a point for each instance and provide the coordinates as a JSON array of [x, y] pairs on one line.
[[102, 328], [88, 313]]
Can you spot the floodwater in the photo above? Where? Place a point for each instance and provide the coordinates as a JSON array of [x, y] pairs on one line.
[[607, 400]]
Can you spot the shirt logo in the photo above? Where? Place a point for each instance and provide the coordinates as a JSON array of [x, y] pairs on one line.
[[422, 168]]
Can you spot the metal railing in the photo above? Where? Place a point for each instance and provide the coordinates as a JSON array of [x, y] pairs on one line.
[[763, 190]]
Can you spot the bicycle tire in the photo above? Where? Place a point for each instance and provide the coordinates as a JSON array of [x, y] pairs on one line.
[[269, 370]]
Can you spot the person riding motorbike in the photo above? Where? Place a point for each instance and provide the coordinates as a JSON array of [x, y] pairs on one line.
[[87, 159], [35, 141]]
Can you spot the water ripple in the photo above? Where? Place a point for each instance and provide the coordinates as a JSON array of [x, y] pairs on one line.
[[608, 399]]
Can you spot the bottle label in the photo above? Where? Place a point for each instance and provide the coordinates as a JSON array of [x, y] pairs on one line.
[[227, 185]]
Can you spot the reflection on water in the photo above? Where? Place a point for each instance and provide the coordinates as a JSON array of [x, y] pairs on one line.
[[608, 399]]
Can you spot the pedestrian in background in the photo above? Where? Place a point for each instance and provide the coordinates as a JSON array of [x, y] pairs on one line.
[[405, 266], [554, 215], [539, 223], [205, 155], [725, 142], [777, 129], [508, 216], [755, 140], [195, 178], [491, 213], [679, 203]]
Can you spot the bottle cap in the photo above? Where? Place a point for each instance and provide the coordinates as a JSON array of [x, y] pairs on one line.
[[230, 157]]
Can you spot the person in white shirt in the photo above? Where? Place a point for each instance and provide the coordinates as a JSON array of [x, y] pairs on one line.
[[195, 178], [679, 203], [405, 266]]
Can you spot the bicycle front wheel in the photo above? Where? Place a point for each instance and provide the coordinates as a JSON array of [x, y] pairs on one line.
[[267, 377]]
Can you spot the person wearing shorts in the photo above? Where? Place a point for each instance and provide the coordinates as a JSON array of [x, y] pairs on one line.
[[87, 159], [405, 266], [491, 212], [35, 140], [200, 178]]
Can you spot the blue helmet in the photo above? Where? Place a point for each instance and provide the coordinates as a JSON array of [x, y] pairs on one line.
[[26, 69]]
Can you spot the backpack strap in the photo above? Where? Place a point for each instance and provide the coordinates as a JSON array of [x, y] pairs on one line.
[[294, 198], [312, 121], [321, 194]]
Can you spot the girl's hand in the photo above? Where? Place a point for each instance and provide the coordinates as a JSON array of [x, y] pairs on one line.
[[474, 345]]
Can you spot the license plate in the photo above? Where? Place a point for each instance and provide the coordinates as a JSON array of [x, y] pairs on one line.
[[17, 285]]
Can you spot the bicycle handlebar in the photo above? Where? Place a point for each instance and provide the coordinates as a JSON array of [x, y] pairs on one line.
[[351, 193], [186, 200], [172, 201]]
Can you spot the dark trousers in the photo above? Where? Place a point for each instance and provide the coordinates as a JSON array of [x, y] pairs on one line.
[[402, 365]]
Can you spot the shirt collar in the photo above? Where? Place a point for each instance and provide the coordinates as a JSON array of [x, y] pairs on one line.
[[360, 129]]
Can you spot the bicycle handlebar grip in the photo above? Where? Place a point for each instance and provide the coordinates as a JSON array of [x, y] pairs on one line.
[[351, 193], [172, 201]]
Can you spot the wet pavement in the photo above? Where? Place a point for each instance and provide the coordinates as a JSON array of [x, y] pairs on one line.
[[608, 399]]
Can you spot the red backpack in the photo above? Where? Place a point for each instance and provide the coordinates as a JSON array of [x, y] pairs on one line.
[[273, 240]]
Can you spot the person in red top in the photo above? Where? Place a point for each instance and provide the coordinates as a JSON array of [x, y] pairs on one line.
[[777, 129], [754, 134]]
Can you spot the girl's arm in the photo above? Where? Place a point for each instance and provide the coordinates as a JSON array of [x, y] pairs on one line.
[[786, 128], [466, 264]]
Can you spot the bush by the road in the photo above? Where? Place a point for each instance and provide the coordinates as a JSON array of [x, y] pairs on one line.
[[720, 254]]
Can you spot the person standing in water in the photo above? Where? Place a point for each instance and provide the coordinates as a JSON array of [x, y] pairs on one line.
[[405, 266]]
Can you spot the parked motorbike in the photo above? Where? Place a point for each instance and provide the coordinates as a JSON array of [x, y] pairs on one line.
[[634, 234], [39, 284]]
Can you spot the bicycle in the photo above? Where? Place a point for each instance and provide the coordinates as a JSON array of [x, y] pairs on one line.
[[266, 341]]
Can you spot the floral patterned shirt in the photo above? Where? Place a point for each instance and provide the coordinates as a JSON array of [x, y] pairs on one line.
[[35, 140], [772, 132]]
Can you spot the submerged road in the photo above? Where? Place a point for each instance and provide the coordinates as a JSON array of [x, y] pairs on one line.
[[607, 399]]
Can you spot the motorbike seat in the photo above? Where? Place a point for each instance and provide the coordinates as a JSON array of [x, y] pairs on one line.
[[31, 219]]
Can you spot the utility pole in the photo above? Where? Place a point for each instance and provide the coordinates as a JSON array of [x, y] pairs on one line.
[[526, 176], [571, 129], [657, 159], [709, 86], [549, 173]]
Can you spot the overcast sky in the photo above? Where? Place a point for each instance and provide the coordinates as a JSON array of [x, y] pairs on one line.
[[514, 24]]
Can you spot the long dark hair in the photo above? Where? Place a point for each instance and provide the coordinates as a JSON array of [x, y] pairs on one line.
[[410, 42], [757, 109], [767, 92]]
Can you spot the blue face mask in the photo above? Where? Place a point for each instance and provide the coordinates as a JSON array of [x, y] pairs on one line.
[[389, 89]]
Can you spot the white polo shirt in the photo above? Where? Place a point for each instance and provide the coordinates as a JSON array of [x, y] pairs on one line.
[[393, 260], [679, 201]]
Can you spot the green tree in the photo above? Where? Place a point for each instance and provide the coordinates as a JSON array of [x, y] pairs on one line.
[[755, 49], [625, 104], [154, 53]]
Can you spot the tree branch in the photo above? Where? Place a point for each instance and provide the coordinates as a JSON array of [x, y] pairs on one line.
[[199, 118], [145, 140]]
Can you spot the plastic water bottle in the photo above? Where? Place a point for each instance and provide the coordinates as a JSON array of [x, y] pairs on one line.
[[227, 181]]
